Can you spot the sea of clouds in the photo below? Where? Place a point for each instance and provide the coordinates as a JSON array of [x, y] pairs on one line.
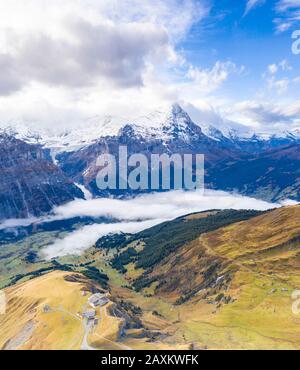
[[134, 215], [168, 205]]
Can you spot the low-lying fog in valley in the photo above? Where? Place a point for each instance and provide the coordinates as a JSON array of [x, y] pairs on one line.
[[134, 215]]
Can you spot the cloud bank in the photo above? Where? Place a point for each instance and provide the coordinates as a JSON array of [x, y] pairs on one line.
[[140, 213], [82, 239], [66, 61], [167, 205], [103, 51]]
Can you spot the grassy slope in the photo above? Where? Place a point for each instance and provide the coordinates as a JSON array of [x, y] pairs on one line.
[[257, 260], [255, 256], [267, 259], [25, 324], [260, 259], [13, 256]]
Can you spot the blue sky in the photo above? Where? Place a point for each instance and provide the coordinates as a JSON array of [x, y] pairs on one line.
[[226, 61], [250, 39]]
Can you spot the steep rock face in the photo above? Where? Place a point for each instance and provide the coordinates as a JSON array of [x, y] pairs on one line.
[[30, 184], [272, 175]]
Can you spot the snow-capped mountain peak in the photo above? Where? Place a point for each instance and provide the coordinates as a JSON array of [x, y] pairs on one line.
[[165, 124]]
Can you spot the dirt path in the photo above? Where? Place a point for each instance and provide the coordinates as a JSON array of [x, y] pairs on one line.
[[84, 345]]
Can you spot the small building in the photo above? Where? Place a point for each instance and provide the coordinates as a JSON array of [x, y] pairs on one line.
[[89, 314], [98, 300]]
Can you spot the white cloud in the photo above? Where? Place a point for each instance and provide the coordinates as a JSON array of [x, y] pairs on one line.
[[279, 85], [272, 69], [206, 115], [140, 213], [159, 205], [176, 16], [209, 80], [251, 4], [267, 115], [14, 223], [133, 215], [282, 66], [288, 12], [61, 62], [82, 239], [117, 53], [246, 117], [168, 205]]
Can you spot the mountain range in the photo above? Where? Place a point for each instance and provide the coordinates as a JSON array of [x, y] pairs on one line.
[[40, 171], [149, 126]]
